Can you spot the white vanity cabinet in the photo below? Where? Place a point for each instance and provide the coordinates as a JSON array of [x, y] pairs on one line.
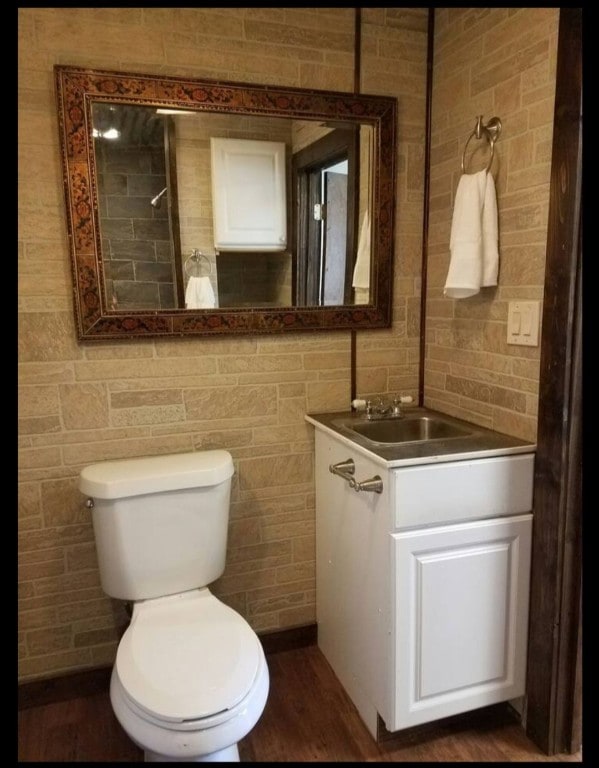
[[422, 590]]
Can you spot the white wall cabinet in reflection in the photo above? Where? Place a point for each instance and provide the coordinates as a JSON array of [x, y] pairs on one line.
[[248, 195]]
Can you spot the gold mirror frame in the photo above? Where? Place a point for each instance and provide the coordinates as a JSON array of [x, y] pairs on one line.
[[76, 91]]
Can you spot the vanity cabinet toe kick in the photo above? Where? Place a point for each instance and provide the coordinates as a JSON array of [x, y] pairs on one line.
[[423, 586]]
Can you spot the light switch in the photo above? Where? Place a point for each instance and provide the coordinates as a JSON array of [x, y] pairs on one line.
[[523, 323], [515, 324], [526, 321]]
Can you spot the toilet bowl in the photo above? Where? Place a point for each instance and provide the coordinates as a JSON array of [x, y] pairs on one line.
[[190, 679]]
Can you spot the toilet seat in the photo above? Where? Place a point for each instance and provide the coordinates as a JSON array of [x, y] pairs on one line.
[[188, 657]]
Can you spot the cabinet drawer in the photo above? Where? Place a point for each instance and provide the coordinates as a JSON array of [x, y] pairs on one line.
[[462, 490]]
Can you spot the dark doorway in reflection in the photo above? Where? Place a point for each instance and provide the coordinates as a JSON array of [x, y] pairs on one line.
[[325, 193]]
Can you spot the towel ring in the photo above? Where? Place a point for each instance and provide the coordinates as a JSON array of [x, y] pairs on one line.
[[490, 131], [197, 264]]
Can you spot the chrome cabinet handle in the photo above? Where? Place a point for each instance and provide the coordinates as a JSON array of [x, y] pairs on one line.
[[346, 470]]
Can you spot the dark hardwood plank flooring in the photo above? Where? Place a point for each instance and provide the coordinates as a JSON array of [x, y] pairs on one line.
[[308, 718]]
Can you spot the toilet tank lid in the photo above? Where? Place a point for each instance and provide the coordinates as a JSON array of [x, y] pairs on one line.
[[134, 477]]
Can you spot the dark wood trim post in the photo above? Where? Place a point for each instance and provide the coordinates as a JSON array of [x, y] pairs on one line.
[[552, 713]]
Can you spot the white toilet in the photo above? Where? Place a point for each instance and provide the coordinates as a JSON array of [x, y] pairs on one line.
[[190, 677]]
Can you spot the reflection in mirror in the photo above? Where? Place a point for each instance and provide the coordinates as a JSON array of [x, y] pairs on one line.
[[222, 202], [133, 208], [257, 209], [329, 201]]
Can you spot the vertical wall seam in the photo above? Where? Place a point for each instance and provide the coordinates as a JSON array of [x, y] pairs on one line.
[[357, 66], [425, 213]]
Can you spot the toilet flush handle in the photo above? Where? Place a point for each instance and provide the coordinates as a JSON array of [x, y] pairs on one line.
[[89, 503]]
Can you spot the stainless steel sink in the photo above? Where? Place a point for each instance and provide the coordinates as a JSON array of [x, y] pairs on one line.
[[406, 430], [419, 436]]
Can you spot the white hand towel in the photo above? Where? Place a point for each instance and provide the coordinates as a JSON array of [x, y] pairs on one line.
[[490, 235], [361, 277], [199, 293], [473, 242]]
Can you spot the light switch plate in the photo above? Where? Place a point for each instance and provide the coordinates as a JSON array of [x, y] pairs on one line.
[[523, 323]]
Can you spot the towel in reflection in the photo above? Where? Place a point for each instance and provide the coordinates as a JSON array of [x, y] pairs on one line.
[[473, 242], [199, 293], [361, 277]]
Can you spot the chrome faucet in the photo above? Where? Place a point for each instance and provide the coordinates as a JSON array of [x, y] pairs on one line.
[[382, 411]]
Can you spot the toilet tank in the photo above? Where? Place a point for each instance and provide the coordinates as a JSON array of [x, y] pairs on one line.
[[160, 523]]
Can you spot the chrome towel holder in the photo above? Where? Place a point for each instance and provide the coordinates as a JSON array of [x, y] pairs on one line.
[[346, 469], [198, 264], [491, 132]]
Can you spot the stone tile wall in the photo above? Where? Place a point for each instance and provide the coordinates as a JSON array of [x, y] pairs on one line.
[[490, 61], [82, 403]]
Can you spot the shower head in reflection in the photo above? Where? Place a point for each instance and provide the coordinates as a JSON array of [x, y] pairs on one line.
[[156, 201]]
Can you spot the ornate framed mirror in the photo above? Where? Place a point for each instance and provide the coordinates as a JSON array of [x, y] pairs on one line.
[[306, 201]]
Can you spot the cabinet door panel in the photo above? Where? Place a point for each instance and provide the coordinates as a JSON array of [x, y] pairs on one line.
[[461, 611], [462, 616], [249, 195]]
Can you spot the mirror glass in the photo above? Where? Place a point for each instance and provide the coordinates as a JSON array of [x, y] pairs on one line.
[[197, 207]]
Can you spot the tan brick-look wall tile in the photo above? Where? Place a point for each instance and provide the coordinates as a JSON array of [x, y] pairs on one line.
[[491, 61], [81, 403], [394, 42]]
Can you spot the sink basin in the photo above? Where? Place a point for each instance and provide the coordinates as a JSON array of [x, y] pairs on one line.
[[421, 436], [406, 430]]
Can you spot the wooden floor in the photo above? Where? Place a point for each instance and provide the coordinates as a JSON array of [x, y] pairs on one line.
[[308, 718]]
